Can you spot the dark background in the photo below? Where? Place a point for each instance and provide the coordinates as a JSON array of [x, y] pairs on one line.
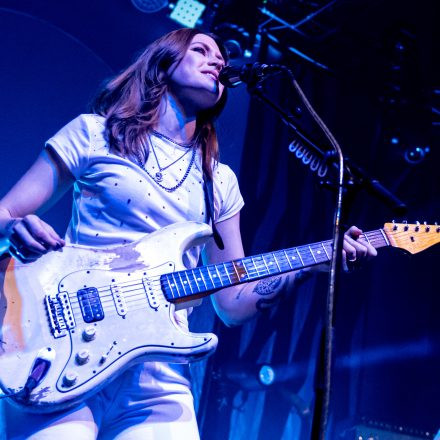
[[370, 70]]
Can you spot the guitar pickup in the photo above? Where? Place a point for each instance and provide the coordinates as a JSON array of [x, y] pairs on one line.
[[118, 298], [150, 293], [90, 303]]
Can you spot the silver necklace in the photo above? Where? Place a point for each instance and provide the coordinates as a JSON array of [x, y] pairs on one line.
[[162, 136], [158, 176]]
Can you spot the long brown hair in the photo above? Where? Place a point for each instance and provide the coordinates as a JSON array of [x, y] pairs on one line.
[[130, 101]]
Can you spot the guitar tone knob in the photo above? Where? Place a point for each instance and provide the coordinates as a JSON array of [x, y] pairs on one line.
[[82, 357], [70, 378], [89, 334]]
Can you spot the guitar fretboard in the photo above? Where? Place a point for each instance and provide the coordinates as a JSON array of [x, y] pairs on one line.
[[202, 280]]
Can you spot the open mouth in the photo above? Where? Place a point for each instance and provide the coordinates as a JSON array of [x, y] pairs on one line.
[[211, 75]]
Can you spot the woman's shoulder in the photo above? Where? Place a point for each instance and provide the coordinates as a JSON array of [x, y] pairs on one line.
[[222, 170], [91, 119]]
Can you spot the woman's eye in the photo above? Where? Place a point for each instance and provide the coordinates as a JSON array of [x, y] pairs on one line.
[[199, 49]]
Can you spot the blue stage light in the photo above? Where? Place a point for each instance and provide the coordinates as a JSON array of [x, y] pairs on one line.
[[187, 12]]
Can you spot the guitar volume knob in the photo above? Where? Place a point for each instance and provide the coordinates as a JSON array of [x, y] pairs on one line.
[[70, 378], [82, 357], [89, 334]]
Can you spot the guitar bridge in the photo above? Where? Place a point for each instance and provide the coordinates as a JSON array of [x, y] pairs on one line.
[[59, 311]]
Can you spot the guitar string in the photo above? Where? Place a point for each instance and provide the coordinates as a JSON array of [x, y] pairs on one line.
[[374, 237], [250, 272], [109, 306]]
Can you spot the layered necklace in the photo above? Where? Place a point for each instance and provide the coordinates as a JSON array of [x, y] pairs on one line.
[[158, 176]]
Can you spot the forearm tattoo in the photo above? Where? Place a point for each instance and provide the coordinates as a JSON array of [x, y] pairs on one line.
[[267, 287]]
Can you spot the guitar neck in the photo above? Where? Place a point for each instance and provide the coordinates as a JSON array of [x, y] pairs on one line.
[[201, 281]]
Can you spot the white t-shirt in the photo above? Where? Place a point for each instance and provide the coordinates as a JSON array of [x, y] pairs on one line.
[[115, 201]]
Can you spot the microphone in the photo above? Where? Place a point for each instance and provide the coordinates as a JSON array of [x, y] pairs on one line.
[[252, 73]]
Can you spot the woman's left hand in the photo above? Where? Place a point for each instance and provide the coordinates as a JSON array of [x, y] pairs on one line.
[[355, 249]]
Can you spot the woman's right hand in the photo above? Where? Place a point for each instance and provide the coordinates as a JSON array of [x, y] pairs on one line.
[[30, 238]]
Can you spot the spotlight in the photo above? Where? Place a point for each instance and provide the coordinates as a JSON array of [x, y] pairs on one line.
[[266, 375], [150, 6], [253, 377], [187, 12], [415, 155]]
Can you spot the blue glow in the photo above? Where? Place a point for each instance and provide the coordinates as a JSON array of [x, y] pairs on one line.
[[266, 375], [187, 12], [394, 140]]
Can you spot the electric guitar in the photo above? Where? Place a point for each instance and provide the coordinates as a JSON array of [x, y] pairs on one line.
[[74, 319]]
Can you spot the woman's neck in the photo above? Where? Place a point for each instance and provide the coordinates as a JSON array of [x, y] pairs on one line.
[[175, 121]]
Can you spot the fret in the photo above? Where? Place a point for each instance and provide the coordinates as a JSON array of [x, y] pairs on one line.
[[229, 275], [265, 265], [320, 257], [199, 278], [238, 268], [256, 268], [294, 259], [182, 283], [282, 261], [288, 259], [189, 281], [308, 258], [323, 247], [176, 284], [169, 285], [384, 237], [218, 275], [312, 254], [299, 255], [276, 262], [243, 264], [225, 268], [270, 267], [329, 246], [262, 265], [249, 272], [366, 238], [202, 277], [210, 277]]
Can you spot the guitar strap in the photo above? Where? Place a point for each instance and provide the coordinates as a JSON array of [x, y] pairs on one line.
[[208, 189]]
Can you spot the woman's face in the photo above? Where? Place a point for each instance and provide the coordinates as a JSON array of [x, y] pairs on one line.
[[194, 80]]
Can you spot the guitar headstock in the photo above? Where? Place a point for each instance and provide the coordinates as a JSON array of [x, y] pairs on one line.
[[412, 237]]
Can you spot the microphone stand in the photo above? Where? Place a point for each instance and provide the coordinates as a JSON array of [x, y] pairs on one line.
[[358, 178]]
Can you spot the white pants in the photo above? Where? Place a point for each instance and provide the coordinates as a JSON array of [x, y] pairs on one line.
[[148, 401]]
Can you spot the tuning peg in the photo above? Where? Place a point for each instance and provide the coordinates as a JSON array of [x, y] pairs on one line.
[[417, 228], [394, 225], [406, 227], [437, 229]]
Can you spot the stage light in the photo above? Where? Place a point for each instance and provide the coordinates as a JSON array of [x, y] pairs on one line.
[[253, 377], [266, 375], [187, 12], [150, 6], [416, 154]]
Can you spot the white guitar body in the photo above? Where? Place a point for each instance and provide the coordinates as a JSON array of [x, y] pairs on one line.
[[138, 323]]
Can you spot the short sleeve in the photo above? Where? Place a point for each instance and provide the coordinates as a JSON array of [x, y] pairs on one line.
[[227, 196], [72, 144]]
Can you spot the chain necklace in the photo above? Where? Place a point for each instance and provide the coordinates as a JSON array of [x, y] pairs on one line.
[[180, 144], [158, 177]]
